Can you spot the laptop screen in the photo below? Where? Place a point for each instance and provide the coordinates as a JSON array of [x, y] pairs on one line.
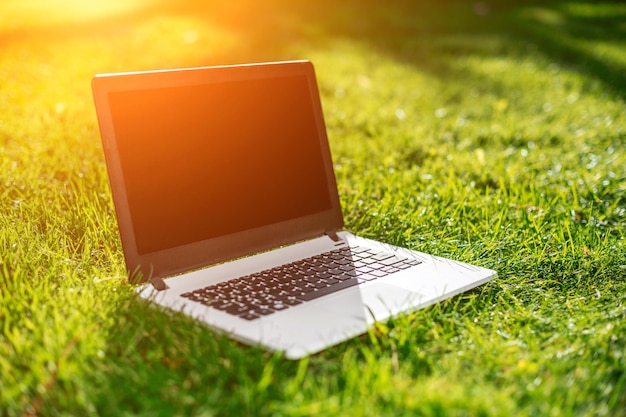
[[209, 160]]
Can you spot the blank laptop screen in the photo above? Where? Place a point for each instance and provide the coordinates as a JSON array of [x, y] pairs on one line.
[[205, 161]]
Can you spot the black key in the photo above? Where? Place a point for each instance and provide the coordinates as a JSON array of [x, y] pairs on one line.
[[292, 301], [328, 290], [290, 292], [286, 299], [264, 311], [343, 277], [249, 316], [220, 305], [305, 289], [237, 309], [304, 282], [279, 306], [286, 278], [194, 297]]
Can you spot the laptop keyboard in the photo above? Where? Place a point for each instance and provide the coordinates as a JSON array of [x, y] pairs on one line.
[[266, 292]]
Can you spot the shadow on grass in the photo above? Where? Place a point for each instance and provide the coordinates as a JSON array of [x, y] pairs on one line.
[[161, 363], [431, 35]]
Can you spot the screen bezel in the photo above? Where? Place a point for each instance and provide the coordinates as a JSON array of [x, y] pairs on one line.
[[163, 263]]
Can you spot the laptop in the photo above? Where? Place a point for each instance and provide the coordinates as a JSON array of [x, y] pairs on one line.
[[228, 209]]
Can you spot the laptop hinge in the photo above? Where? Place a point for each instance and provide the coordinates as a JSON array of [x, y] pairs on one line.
[[333, 235], [159, 284]]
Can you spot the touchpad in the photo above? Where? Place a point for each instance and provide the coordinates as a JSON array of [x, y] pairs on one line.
[[382, 301]]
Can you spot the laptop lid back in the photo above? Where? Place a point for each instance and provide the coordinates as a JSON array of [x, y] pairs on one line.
[[211, 164]]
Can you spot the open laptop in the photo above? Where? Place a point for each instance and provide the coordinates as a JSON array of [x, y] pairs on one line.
[[228, 209]]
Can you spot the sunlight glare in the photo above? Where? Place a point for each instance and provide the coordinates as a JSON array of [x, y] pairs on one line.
[[26, 13]]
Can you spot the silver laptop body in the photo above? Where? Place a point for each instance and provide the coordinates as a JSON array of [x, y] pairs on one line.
[[228, 209]]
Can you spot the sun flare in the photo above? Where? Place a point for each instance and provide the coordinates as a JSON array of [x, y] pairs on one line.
[[28, 13]]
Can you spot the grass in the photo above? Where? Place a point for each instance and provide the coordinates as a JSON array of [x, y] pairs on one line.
[[490, 133]]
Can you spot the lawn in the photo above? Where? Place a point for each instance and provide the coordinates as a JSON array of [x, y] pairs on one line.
[[488, 132]]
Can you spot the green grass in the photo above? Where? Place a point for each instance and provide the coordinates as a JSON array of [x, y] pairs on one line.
[[495, 139]]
